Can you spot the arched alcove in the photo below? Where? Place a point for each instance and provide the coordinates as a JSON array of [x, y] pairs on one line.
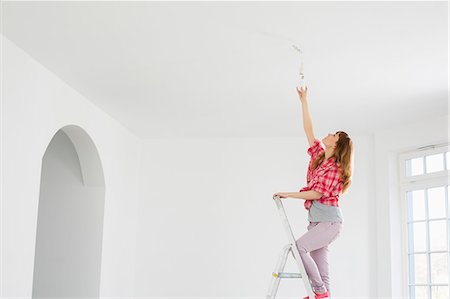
[[70, 218]]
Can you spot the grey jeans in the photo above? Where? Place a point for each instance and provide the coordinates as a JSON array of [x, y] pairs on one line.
[[315, 242]]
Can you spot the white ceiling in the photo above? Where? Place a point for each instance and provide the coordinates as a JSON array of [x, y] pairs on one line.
[[227, 69]]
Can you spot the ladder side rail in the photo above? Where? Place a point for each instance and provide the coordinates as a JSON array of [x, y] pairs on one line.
[[273, 289]]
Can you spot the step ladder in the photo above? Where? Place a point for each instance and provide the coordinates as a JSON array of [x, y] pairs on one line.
[[290, 248]]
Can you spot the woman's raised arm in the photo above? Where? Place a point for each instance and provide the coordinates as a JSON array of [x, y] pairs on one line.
[[307, 122]]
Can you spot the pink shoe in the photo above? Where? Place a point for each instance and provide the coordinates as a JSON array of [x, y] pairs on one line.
[[319, 296]]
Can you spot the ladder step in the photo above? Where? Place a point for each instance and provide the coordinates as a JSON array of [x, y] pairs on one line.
[[287, 275]]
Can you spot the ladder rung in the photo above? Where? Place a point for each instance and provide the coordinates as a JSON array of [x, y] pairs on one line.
[[287, 275]]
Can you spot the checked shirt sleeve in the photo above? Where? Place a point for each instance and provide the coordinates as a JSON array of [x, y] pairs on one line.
[[315, 149]]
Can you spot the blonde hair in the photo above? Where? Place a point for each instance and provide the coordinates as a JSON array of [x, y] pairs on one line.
[[343, 154]]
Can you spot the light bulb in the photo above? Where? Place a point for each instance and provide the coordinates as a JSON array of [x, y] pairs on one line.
[[302, 81]]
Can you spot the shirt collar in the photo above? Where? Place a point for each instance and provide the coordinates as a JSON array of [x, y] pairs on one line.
[[331, 159]]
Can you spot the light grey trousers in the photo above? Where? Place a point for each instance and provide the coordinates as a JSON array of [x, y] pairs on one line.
[[313, 248]]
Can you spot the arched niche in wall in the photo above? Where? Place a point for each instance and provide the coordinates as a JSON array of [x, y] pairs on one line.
[[70, 218]]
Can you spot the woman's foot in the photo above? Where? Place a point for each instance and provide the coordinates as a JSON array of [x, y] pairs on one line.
[[319, 296]]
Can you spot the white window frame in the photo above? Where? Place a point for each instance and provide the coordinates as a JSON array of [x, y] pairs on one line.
[[417, 182]]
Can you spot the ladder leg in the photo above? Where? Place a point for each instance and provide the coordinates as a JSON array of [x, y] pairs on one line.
[[293, 248], [279, 268]]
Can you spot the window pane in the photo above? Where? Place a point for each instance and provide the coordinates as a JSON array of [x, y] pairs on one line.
[[439, 292], [418, 266], [436, 202], [419, 237], [447, 157], [438, 235], [414, 166], [421, 292], [435, 162], [417, 202], [439, 268]]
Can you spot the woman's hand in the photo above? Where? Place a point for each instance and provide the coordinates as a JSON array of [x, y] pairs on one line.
[[281, 195], [302, 93]]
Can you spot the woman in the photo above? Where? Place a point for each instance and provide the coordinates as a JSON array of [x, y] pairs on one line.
[[329, 175]]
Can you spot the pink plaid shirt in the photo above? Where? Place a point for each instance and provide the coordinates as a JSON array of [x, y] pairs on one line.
[[324, 179]]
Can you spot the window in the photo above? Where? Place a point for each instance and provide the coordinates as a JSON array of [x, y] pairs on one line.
[[424, 181]]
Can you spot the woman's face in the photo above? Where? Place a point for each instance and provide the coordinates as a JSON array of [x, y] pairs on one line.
[[331, 139]]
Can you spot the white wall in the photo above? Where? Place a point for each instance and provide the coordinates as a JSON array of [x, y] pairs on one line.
[[216, 193], [388, 144], [208, 226], [35, 105]]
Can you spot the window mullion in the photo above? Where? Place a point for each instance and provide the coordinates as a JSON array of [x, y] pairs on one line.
[[427, 230], [448, 229]]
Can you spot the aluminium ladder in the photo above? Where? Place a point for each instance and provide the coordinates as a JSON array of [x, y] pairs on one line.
[[291, 247]]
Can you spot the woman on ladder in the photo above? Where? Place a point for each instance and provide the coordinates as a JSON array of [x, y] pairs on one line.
[[329, 175]]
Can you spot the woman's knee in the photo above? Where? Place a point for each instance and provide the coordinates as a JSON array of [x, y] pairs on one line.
[[301, 248]]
